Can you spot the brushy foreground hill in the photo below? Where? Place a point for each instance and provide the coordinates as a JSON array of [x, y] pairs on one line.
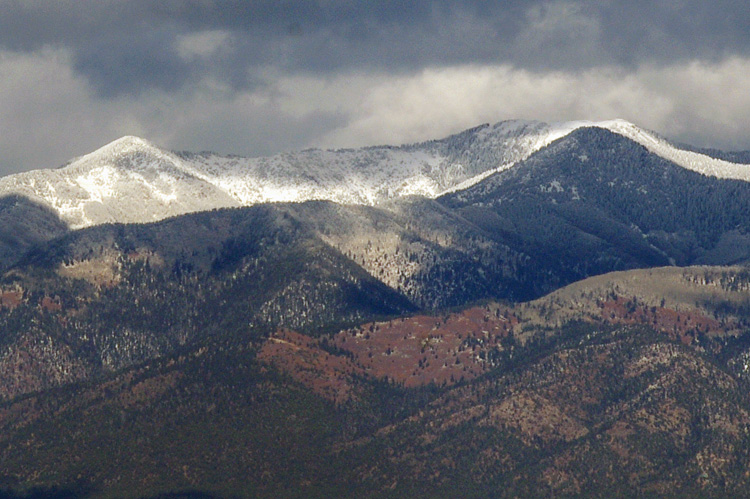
[[599, 389]]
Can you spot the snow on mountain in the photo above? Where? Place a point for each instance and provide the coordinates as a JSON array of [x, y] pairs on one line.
[[128, 180], [536, 135], [132, 180], [690, 160]]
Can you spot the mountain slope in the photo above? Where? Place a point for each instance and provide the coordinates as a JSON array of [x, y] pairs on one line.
[[712, 163], [305, 349], [23, 225], [591, 202], [418, 248], [594, 202], [109, 297]]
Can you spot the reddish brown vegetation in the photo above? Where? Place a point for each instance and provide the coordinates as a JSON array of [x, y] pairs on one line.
[[412, 351], [11, 299], [679, 325], [302, 358], [51, 304], [443, 350], [425, 349]]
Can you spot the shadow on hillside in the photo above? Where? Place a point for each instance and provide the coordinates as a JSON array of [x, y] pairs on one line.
[[186, 494], [74, 492], [24, 224], [82, 491]]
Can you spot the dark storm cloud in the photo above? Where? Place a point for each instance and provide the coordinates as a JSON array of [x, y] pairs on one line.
[[149, 56], [129, 46], [644, 30]]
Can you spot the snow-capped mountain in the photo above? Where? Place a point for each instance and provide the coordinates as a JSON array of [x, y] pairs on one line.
[[132, 180]]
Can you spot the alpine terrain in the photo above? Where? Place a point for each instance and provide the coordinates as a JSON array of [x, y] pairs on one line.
[[520, 309]]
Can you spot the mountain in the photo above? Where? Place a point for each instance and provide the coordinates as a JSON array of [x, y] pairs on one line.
[[595, 201], [129, 180], [436, 319], [422, 250], [591, 202], [132, 180]]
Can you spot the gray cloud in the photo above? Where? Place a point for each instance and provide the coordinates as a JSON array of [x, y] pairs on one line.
[[129, 46]]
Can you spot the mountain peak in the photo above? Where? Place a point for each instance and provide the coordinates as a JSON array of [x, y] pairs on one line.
[[124, 145], [126, 153], [130, 140]]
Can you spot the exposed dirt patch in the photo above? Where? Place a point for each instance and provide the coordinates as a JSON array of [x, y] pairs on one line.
[[102, 271], [50, 304]]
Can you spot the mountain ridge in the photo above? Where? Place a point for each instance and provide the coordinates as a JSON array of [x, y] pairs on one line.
[[133, 180]]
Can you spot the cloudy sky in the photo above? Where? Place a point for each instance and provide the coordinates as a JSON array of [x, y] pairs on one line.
[[256, 77]]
